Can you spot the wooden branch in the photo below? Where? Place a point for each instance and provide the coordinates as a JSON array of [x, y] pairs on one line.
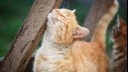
[[28, 36], [98, 9]]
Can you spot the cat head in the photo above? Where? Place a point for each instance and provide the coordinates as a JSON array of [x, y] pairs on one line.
[[63, 26], [119, 32]]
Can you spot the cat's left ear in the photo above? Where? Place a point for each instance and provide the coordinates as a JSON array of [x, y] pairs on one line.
[[74, 10], [118, 21], [80, 32]]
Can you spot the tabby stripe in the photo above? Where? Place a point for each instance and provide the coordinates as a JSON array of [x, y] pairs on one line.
[[119, 56]]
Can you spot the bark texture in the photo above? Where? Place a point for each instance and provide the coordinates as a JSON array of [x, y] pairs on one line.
[[28, 36]]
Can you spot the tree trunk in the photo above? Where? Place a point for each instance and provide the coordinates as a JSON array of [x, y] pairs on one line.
[[98, 9], [28, 36]]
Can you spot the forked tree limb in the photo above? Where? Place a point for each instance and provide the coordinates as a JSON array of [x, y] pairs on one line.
[[28, 36], [98, 9]]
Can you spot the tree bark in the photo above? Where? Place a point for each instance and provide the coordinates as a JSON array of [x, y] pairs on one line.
[[98, 9], [28, 36]]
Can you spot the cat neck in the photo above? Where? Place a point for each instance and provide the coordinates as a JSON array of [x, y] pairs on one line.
[[51, 45]]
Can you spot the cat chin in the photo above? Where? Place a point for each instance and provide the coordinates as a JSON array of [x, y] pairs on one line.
[[49, 16]]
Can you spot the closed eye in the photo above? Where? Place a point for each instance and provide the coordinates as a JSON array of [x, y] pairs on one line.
[[62, 15]]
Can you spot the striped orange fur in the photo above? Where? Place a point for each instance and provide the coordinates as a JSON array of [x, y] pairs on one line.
[[101, 29]]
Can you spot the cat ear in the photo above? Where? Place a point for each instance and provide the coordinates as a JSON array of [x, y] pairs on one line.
[[80, 32], [74, 10], [118, 21]]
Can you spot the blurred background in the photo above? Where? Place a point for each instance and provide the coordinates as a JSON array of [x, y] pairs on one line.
[[14, 12]]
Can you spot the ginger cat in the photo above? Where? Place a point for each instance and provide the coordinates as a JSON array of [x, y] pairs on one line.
[[63, 51], [119, 36]]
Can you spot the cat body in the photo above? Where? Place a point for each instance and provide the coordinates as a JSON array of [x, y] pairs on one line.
[[119, 36], [62, 51]]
